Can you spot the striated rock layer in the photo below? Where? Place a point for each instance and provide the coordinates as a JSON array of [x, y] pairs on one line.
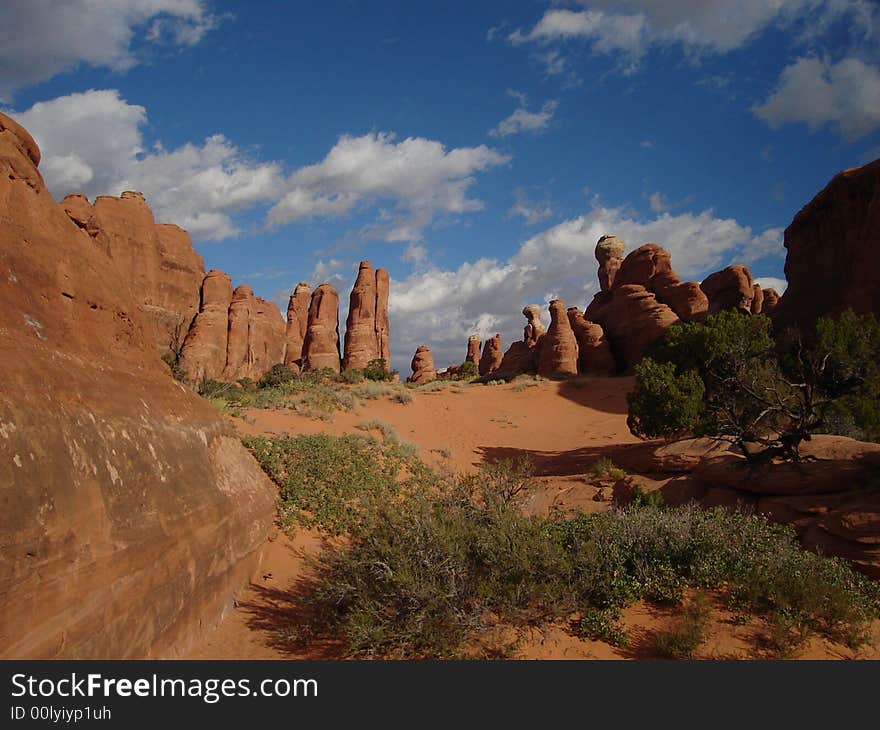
[[594, 351], [131, 515], [833, 257]]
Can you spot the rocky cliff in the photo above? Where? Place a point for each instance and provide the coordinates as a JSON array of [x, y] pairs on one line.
[[131, 514]]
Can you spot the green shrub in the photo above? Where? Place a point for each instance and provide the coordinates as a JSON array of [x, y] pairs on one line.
[[467, 370], [429, 560], [352, 377], [333, 482], [726, 378], [604, 468], [378, 370], [277, 375]]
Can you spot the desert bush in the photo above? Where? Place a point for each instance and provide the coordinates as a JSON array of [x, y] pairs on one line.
[[604, 468], [334, 482], [467, 370], [352, 377], [432, 561], [277, 375], [378, 370]]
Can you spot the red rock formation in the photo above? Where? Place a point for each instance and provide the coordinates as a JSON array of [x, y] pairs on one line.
[[594, 351], [422, 366], [130, 514], [632, 321], [770, 300], [493, 355], [366, 330], [650, 266], [827, 500], [383, 337], [757, 305], [534, 329], [730, 288], [609, 254], [158, 262], [522, 357], [833, 259], [473, 350], [297, 323], [204, 351], [321, 346], [558, 353]]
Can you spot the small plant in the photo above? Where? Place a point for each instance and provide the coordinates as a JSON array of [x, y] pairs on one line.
[[467, 370], [352, 377], [278, 374], [403, 397], [604, 468], [602, 624], [378, 370], [689, 632], [445, 452]]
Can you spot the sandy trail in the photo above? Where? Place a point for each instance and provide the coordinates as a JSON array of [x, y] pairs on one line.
[[564, 427]]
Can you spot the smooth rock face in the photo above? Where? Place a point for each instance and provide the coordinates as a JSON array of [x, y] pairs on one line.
[[609, 254], [559, 352], [730, 288], [594, 351], [297, 323], [473, 349], [833, 258], [204, 350], [131, 515], [157, 262], [422, 366], [492, 357], [321, 346], [632, 321], [366, 331]]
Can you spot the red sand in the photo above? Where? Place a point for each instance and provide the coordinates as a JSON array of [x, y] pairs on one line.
[[564, 427]]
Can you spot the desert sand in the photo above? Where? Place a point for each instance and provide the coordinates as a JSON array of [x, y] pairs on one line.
[[564, 427]]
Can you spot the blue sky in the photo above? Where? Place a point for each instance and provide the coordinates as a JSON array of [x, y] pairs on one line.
[[476, 150]]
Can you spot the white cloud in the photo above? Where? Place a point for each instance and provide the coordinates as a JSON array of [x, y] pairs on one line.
[[420, 176], [772, 282], [41, 38], [442, 308], [816, 92], [92, 143], [646, 144], [532, 211], [522, 120], [415, 254], [628, 28]]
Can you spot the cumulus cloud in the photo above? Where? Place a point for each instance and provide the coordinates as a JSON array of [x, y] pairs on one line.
[[442, 307], [419, 176], [41, 38], [628, 28], [92, 143], [522, 120], [816, 92]]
